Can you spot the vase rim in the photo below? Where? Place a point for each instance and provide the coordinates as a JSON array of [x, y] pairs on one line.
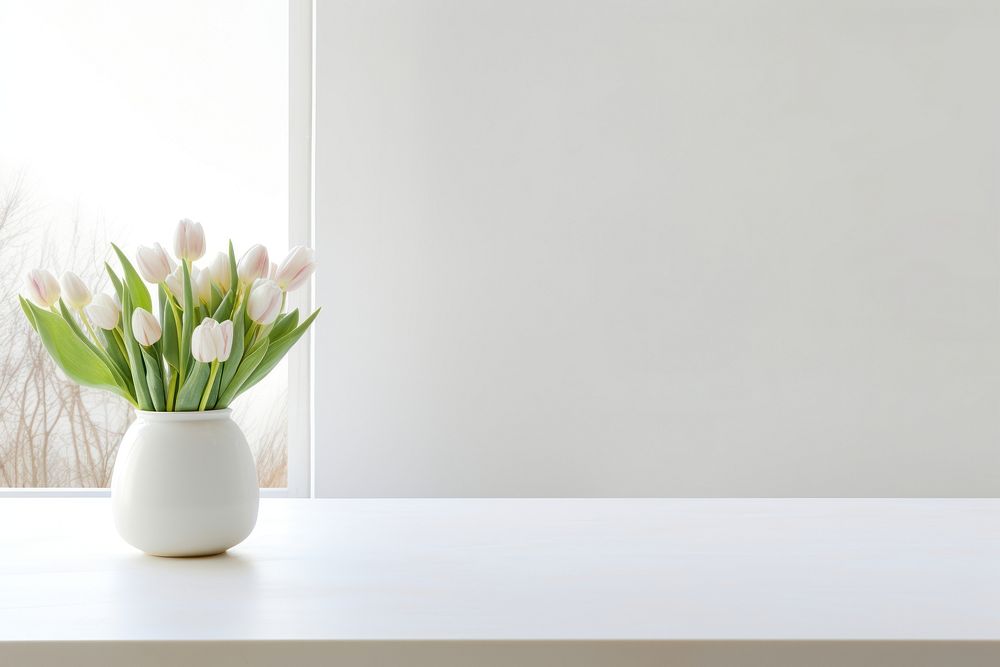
[[182, 416]]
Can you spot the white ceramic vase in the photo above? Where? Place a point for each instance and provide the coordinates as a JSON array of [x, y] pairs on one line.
[[184, 484]]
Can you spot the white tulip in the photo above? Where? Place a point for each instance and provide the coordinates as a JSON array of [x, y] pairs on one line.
[[253, 265], [189, 240], [203, 341], [75, 291], [212, 341], [225, 340], [42, 288], [296, 269], [264, 302], [175, 283], [154, 263], [145, 328], [104, 311], [219, 270], [201, 284]]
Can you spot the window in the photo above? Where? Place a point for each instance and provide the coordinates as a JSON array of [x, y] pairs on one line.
[[118, 118]]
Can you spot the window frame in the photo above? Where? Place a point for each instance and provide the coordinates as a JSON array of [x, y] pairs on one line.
[[300, 232]]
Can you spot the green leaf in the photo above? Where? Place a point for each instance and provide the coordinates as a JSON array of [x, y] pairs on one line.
[[187, 321], [216, 299], [284, 324], [154, 380], [134, 355], [80, 363], [168, 339], [71, 321], [234, 277], [115, 280], [225, 309], [115, 354], [136, 285], [250, 363], [194, 386], [236, 353], [276, 351], [27, 312], [100, 351]]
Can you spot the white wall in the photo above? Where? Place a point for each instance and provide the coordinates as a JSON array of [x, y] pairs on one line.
[[672, 248]]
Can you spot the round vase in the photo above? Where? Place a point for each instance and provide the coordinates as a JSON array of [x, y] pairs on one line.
[[184, 484]]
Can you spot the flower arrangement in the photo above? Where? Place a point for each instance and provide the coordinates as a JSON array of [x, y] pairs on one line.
[[221, 327]]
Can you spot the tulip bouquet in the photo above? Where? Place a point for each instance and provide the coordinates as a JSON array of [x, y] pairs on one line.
[[221, 327]]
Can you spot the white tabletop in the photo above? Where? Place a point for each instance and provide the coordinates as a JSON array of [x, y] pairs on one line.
[[486, 569]]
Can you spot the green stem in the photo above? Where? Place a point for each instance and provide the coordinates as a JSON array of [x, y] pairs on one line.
[[238, 301], [208, 387], [90, 330], [251, 332], [171, 390]]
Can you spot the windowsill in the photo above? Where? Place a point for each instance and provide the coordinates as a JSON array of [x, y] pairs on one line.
[[641, 575]]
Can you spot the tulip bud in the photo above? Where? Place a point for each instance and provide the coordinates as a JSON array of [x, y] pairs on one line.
[[42, 288], [212, 341], [104, 311], [264, 301], [145, 328], [189, 240], [154, 263], [253, 265], [75, 291], [219, 270], [201, 284], [296, 268]]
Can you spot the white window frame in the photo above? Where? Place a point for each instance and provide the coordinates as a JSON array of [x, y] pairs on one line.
[[300, 232]]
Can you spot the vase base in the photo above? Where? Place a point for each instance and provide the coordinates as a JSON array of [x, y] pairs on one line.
[[206, 554]]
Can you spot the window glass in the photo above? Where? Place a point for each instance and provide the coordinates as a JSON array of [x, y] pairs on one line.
[[117, 119]]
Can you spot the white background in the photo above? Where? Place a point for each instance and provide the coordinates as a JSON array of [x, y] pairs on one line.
[[657, 248]]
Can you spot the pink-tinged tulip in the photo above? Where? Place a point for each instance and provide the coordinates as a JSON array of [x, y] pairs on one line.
[[253, 265], [189, 240], [219, 270], [145, 328], [74, 291], [201, 284], [42, 288], [296, 269], [272, 271], [264, 302], [212, 341], [104, 311], [154, 263]]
